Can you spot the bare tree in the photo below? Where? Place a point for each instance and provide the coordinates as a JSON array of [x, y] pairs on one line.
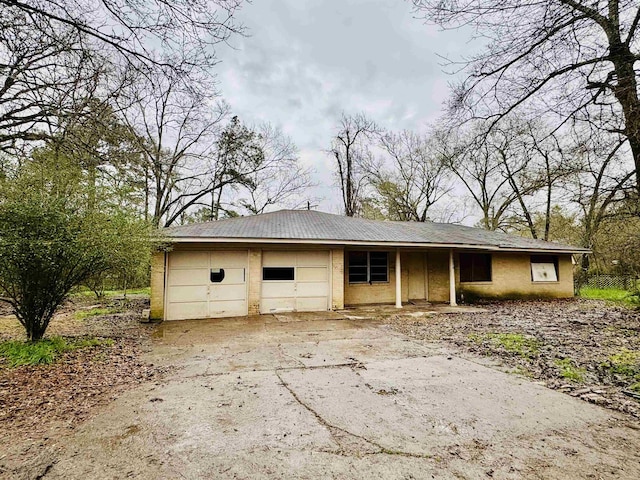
[[415, 179], [282, 181], [172, 35], [602, 184], [575, 58], [42, 79], [176, 134], [479, 167], [55, 55], [351, 152], [534, 162]]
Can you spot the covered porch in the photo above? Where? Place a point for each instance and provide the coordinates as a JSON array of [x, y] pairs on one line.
[[400, 275]]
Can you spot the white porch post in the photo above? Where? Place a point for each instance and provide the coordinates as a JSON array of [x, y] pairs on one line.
[[398, 280], [452, 280]]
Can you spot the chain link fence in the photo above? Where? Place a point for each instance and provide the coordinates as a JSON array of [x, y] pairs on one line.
[[607, 280]]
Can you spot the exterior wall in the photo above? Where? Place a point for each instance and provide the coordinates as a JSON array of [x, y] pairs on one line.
[[511, 278], [254, 277], [438, 266], [337, 279], [364, 293], [157, 285]]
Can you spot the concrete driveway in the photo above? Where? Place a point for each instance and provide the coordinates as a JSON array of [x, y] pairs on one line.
[[324, 396]]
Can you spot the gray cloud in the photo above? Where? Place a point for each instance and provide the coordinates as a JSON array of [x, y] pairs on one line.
[[305, 62]]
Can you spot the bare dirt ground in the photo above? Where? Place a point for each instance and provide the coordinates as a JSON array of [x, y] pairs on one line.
[[41, 404], [585, 348]]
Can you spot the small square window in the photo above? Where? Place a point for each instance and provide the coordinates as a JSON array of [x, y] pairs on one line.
[[544, 268]]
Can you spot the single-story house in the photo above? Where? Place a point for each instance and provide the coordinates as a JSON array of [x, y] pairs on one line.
[[301, 260]]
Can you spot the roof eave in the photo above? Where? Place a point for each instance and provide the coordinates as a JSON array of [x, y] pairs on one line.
[[306, 241]]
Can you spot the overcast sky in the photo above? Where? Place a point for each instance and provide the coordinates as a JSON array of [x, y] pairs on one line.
[[306, 61]]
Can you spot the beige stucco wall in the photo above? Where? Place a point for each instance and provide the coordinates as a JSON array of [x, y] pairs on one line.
[[511, 278], [157, 285]]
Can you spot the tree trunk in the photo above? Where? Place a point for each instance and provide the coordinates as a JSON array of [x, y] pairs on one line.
[[626, 92]]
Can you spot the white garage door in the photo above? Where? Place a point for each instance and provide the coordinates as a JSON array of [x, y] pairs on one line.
[[295, 281], [206, 284]]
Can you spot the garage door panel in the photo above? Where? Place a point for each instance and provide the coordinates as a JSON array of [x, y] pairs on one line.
[[228, 259], [312, 289], [313, 258], [227, 292], [278, 289], [189, 277], [311, 304], [309, 291], [189, 293], [189, 259], [229, 308], [184, 311], [232, 276], [312, 274], [278, 259], [277, 305]]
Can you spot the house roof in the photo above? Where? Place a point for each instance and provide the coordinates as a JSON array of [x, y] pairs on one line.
[[313, 227]]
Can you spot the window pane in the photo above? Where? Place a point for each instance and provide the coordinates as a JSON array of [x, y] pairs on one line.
[[278, 273], [378, 258], [475, 267], [465, 267], [358, 258], [358, 267], [379, 266], [482, 267]]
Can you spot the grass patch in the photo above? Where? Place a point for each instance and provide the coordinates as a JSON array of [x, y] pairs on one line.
[[15, 353], [516, 343], [94, 312], [625, 363], [614, 295], [569, 370]]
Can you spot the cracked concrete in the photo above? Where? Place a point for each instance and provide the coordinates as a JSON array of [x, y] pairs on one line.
[[331, 397]]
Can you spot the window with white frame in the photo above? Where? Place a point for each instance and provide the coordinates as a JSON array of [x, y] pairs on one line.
[[544, 268]]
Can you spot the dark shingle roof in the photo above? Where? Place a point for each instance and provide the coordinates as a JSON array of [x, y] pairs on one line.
[[305, 225]]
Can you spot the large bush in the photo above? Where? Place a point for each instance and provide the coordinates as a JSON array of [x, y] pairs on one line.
[[46, 249]]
